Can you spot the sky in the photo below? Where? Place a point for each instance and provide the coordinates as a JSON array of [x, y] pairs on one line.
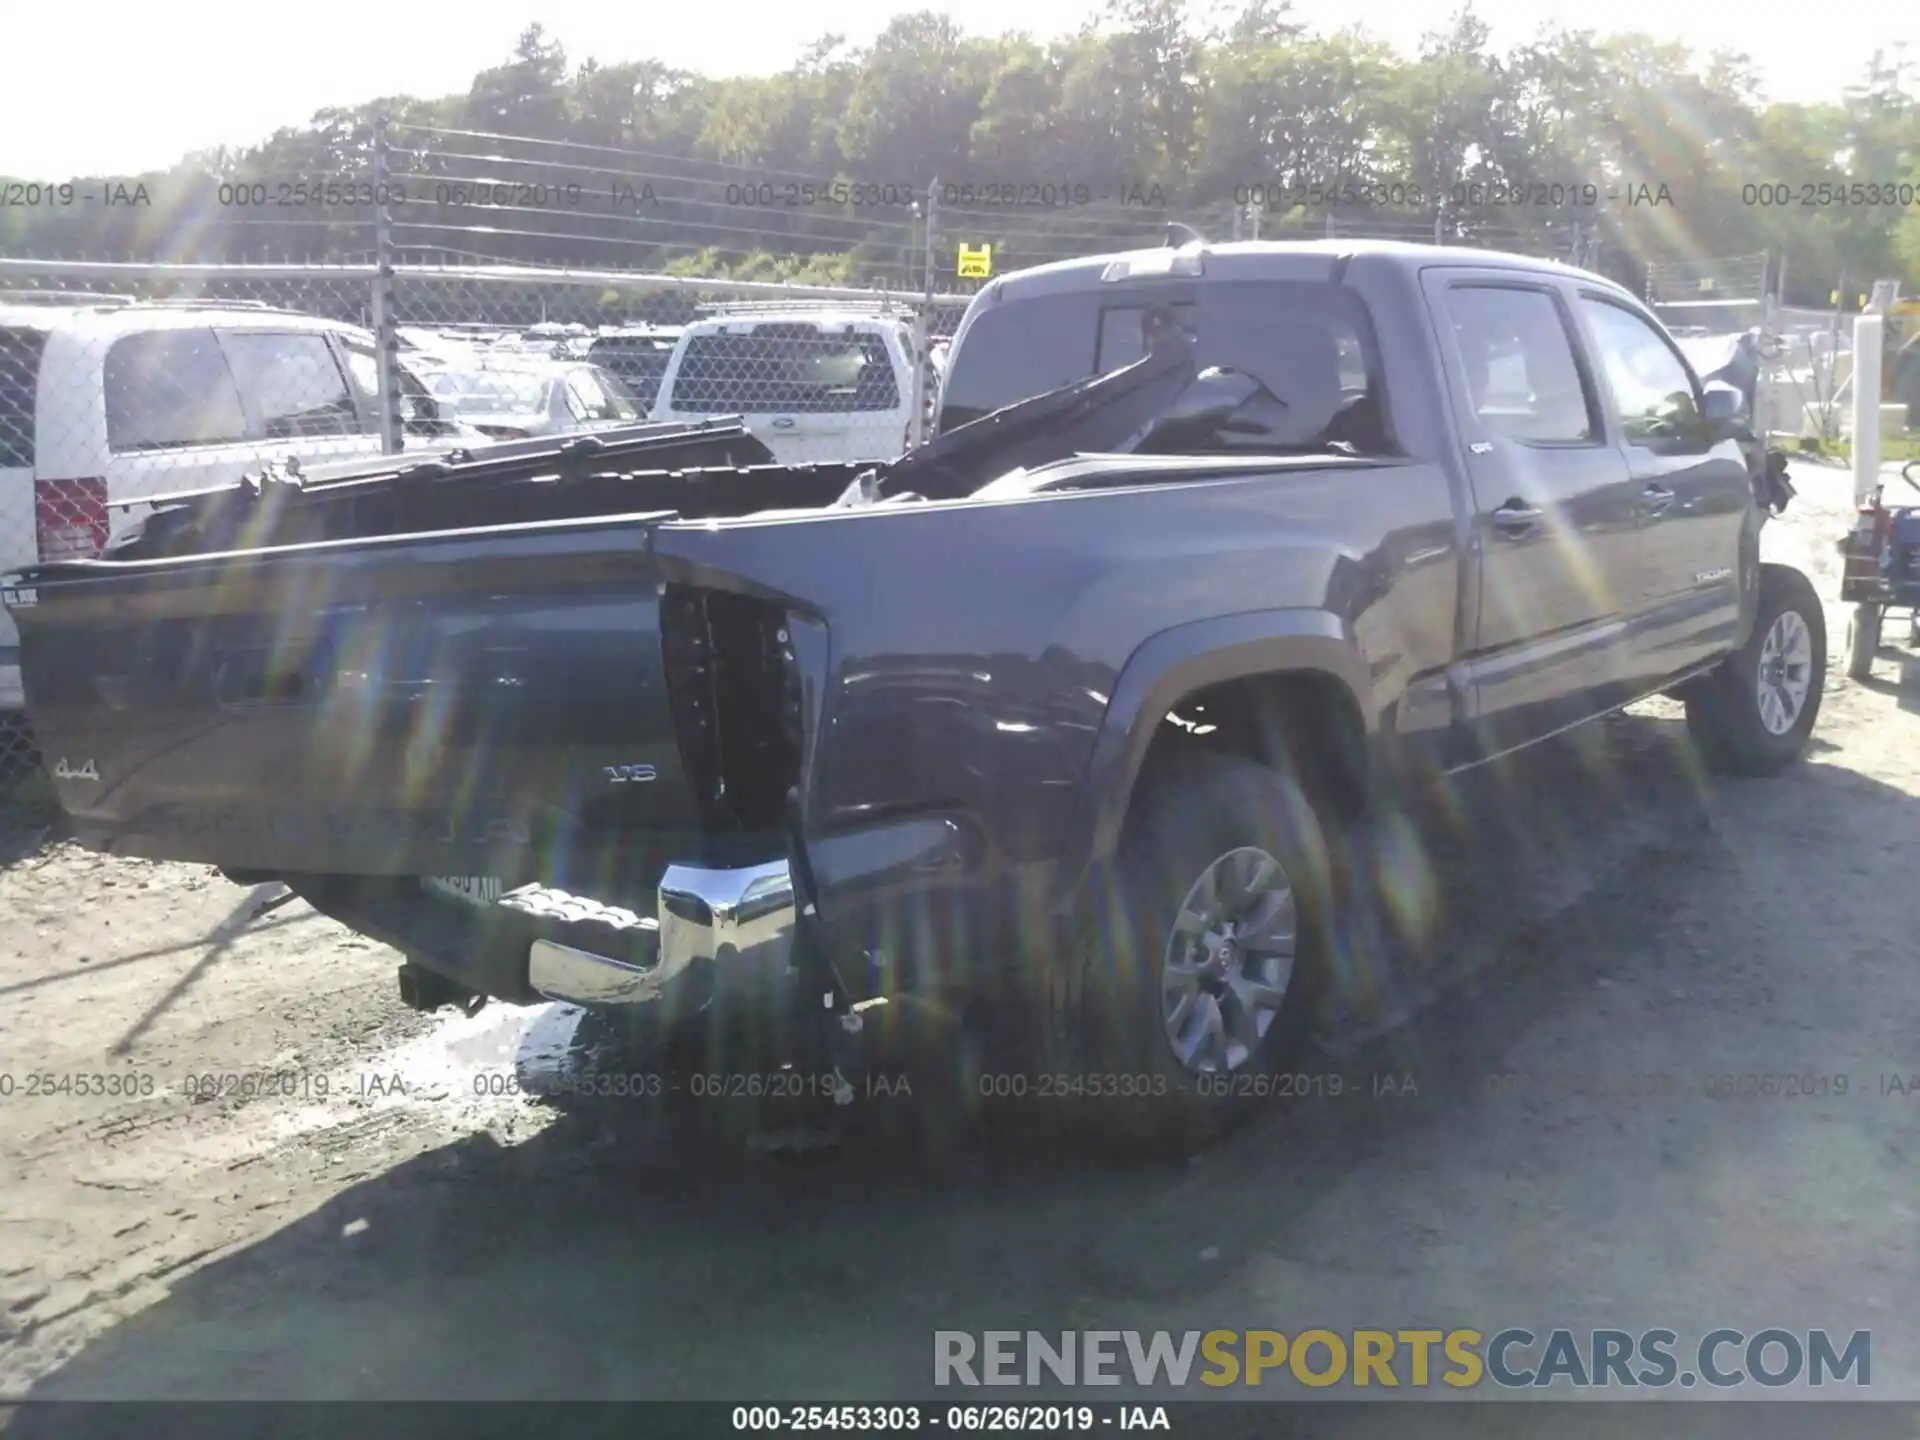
[[148, 85]]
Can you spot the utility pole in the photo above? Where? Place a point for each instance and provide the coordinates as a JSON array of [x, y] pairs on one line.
[[386, 350]]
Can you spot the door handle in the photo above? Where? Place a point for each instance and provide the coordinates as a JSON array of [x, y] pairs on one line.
[[1515, 518], [1655, 499]]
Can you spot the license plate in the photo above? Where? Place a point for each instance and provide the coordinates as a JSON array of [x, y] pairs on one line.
[[473, 889]]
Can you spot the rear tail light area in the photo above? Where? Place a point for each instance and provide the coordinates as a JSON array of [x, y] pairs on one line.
[[69, 518], [736, 696]]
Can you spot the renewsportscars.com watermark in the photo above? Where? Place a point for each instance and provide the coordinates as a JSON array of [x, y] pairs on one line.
[[1402, 1359]]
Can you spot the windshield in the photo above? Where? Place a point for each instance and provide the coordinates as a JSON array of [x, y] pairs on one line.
[[1309, 344], [640, 363], [594, 394]]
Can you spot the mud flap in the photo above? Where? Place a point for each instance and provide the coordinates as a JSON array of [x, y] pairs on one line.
[[826, 1028]]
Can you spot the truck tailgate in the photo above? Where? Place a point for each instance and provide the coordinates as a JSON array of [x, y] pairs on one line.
[[474, 702]]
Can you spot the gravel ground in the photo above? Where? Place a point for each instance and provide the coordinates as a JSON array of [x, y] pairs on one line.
[[1613, 914]]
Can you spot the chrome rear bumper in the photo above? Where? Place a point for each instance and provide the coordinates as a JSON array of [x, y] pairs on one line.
[[731, 931]]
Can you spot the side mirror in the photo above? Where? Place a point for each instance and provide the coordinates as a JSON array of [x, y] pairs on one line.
[[1723, 411]]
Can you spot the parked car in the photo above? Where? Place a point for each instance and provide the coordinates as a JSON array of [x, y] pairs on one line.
[[1057, 724], [104, 402], [638, 355], [815, 385], [517, 402], [547, 340]]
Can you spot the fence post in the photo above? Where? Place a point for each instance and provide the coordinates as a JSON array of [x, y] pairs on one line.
[[1773, 297], [386, 335], [923, 324], [1869, 336]]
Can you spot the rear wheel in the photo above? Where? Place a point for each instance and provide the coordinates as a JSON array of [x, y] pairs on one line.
[[1755, 713], [1201, 968], [1863, 641]]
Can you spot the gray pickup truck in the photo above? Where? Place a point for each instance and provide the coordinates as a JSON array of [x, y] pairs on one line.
[[1061, 715]]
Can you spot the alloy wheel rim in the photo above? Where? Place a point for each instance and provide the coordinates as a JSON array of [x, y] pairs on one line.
[[1229, 960], [1785, 675]]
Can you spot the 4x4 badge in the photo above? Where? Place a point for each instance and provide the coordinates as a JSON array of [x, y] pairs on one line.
[[64, 771]]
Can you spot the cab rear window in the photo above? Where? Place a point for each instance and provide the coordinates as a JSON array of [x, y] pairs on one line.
[[784, 369], [20, 351], [1310, 344]]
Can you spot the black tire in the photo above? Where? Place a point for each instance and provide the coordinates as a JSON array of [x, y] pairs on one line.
[[1863, 641], [1724, 710], [1105, 1038]]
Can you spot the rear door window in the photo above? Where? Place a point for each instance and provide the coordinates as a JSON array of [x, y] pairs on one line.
[[784, 369], [1523, 379], [20, 352], [294, 382], [170, 388]]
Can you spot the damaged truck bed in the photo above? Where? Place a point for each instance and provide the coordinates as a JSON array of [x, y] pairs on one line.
[[639, 719]]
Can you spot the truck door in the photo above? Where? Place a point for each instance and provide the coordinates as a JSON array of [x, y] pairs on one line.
[[1554, 520], [1693, 498]]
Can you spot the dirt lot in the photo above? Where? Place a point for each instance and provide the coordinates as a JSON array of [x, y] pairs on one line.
[[1618, 915]]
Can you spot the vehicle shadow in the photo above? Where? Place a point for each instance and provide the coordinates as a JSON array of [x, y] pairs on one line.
[[30, 819], [607, 1257], [217, 941], [1906, 686]]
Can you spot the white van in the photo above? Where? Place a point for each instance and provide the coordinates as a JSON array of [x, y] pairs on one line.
[[811, 384], [105, 402]]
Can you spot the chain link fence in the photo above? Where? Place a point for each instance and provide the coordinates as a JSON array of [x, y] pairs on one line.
[[1807, 371]]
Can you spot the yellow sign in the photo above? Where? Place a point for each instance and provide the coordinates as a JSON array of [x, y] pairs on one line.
[[976, 262]]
